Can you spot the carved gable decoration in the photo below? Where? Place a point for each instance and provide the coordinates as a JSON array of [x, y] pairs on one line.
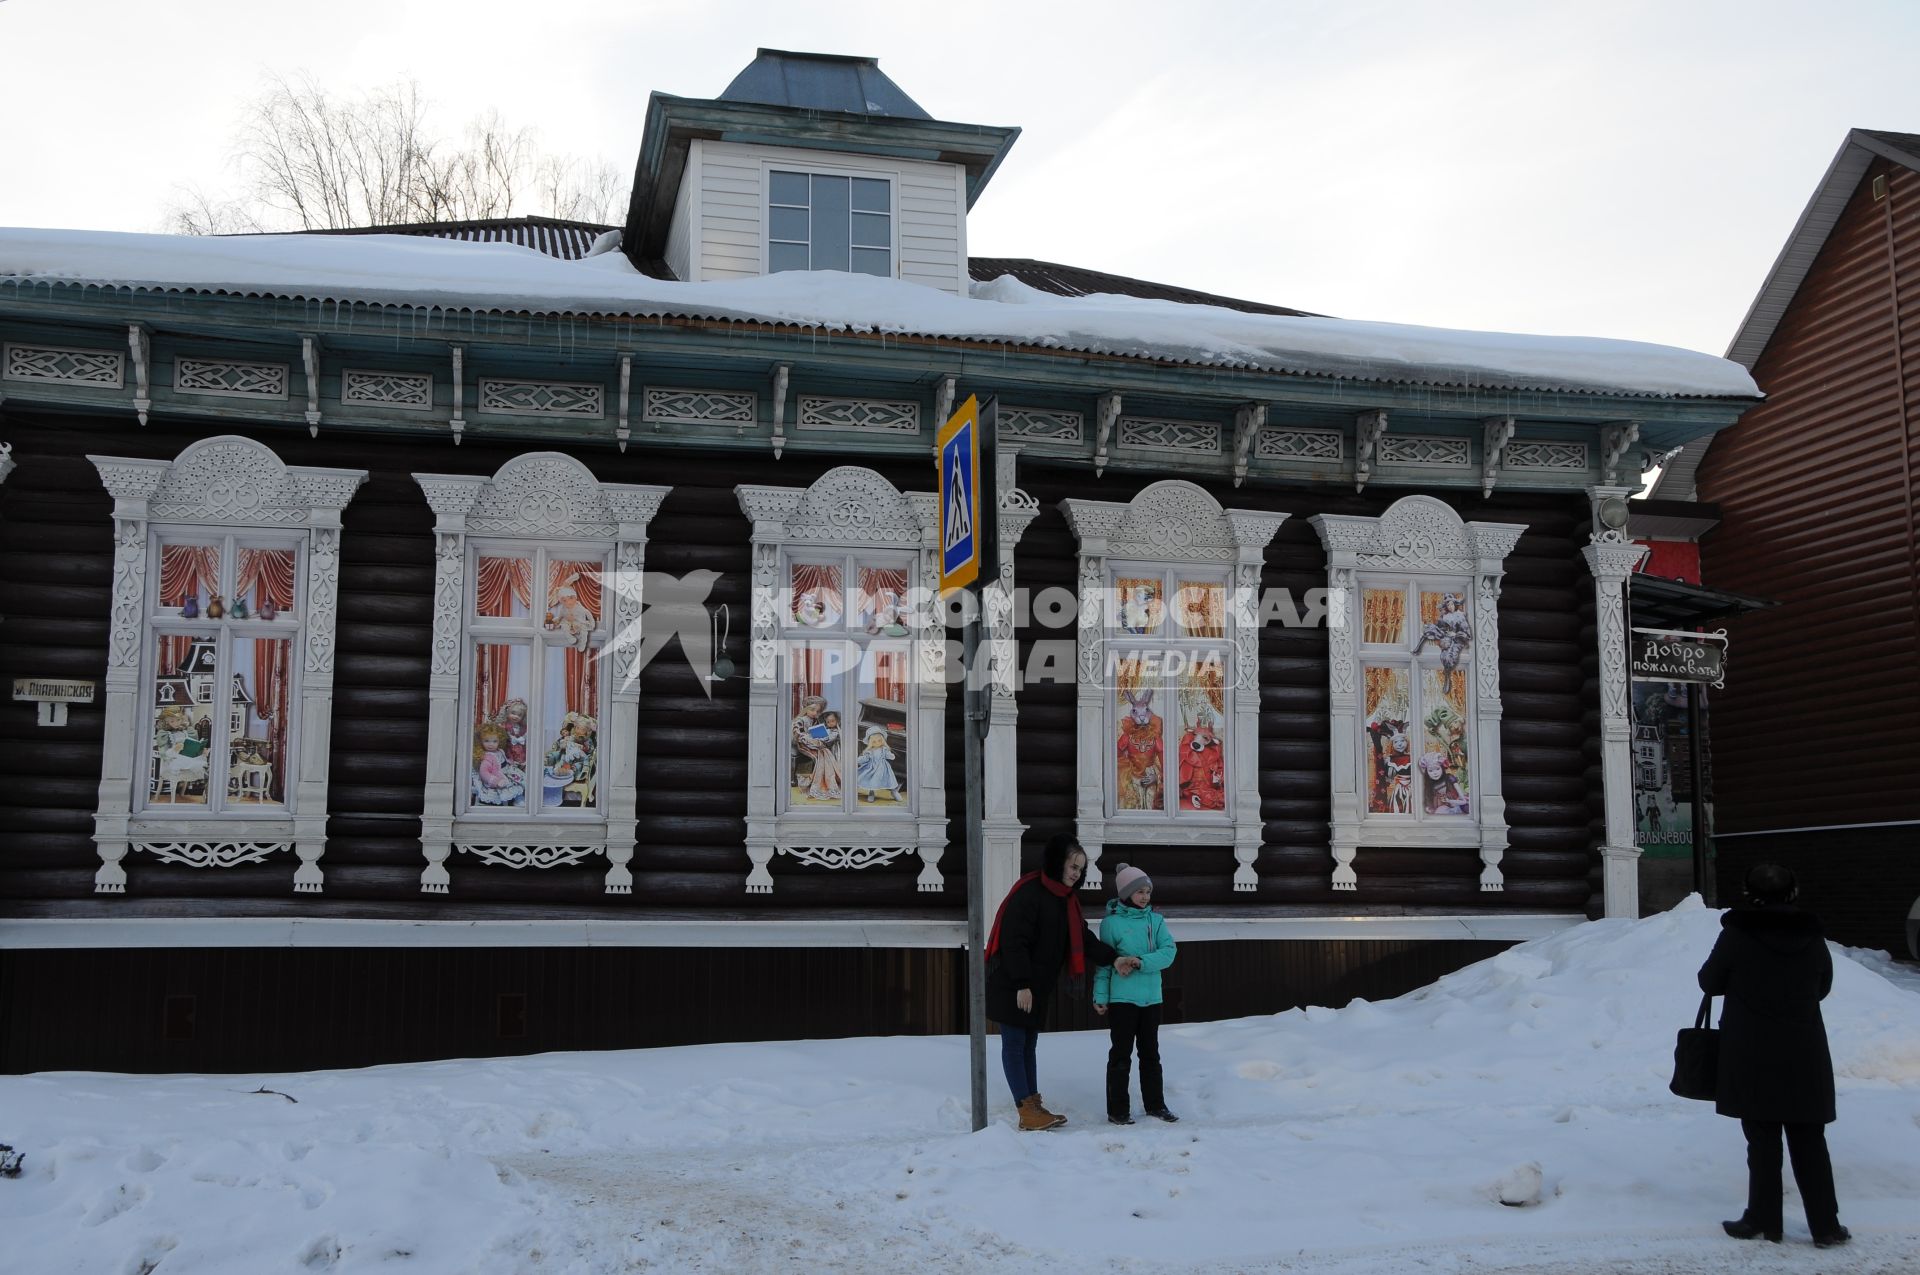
[[543, 495], [1418, 534], [1170, 521], [846, 505], [236, 481]]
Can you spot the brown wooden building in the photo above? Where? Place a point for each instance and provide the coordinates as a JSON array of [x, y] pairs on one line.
[[400, 573], [1816, 488]]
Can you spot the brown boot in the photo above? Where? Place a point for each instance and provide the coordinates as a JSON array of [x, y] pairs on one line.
[[1034, 1117], [1042, 1104]]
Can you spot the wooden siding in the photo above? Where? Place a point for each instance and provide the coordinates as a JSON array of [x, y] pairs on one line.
[[930, 230], [1817, 489], [678, 253], [55, 571], [280, 1009]]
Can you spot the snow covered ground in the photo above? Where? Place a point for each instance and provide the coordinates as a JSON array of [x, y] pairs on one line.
[[1376, 1138]]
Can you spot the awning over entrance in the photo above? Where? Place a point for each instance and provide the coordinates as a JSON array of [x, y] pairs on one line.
[[1669, 604]]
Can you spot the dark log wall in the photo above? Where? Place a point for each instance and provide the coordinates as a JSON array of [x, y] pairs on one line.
[[295, 1009], [1817, 488], [55, 575], [1543, 735]]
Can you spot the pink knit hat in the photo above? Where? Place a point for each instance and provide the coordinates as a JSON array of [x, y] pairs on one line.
[[1127, 879]]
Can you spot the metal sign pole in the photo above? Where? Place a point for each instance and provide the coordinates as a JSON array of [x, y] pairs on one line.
[[978, 699]]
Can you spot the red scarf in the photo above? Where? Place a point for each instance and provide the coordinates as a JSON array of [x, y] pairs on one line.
[[1076, 924]]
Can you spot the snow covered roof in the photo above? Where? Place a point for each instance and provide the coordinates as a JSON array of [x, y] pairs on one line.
[[412, 271]]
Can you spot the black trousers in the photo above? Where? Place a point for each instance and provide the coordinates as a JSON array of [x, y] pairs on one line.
[[1130, 1026], [1812, 1173]]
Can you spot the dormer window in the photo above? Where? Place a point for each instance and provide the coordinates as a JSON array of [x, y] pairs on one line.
[[829, 221]]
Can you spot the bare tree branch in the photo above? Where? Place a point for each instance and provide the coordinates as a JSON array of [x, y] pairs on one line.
[[311, 161]]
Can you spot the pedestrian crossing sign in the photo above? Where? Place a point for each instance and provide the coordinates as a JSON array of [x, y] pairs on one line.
[[958, 448]]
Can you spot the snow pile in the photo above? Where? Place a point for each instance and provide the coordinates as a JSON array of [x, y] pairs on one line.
[[1512, 1116], [421, 271]]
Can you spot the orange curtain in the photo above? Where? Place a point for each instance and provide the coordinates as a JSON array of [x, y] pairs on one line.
[[890, 676], [265, 575], [498, 577], [188, 569]]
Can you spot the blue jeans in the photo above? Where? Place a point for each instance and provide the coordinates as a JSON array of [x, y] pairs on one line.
[[1019, 1052]]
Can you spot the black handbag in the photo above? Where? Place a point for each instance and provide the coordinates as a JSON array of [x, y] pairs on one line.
[[1696, 1057]]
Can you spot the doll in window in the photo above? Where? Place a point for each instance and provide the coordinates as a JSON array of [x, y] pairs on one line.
[[497, 779], [1203, 772], [1392, 766], [513, 720], [1137, 764], [571, 757], [1443, 787], [1450, 632], [873, 773], [568, 615], [815, 736]]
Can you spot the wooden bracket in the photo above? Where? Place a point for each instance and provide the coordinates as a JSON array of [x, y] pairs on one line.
[[1248, 421], [943, 400], [310, 360], [458, 421], [1615, 440], [781, 373], [1107, 412], [1498, 433], [1368, 429], [622, 431], [142, 346]]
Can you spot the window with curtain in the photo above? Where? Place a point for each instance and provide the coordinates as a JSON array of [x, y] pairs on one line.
[[537, 623], [847, 671], [221, 673], [1169, 674]]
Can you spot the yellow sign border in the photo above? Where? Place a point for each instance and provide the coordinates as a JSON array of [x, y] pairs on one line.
[[969, 571]]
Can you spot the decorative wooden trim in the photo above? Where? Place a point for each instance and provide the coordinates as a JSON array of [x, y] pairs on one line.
[[535, 497], [140, 345], [1368, 429], [63, 365], [229, 378], [1248, 421], [1497, 432], [1428, 451], [580, 400], [1279, 443], [390, 391], [782, 373], [1176, 437], [858, 415], [1171, 522], [1416, 537], [230, 482], [1548, 454], [310, 363], [1106, 416], [846, 508], [1042, 425], [665, 406], [1611, 559]]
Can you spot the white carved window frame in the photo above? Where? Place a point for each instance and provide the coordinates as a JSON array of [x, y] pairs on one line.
[[1418, 543], [1170, 524], [228, 485], [849, 509], [537, 498]]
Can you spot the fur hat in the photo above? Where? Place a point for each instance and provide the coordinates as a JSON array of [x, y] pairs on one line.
[[1127, 879]]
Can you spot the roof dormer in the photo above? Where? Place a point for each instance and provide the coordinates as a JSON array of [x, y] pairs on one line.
[[808, 161]]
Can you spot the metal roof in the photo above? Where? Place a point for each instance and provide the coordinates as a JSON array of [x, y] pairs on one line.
[[821, 82], [1656, 602], [1077, 281], [567, 240]]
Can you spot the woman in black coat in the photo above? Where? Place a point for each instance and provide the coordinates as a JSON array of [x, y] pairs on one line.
[[1772, 965], [1038, 929]]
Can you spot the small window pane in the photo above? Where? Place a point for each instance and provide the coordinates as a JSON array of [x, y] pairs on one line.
[[816, 731], [788, 223], [830, 213], [789, 188], [1443, 755], [185, 700], [570, 733], [882, 601], [264, 585], [787, 256], [1445, 627], [818, 595], [503, 587], [871, 195], [260, 702], [573, 601], [1383, 617], [1139, 737], [189, 577], [1389, 719], [1202, 766], [874, 261], [1200, 606], [1138, 607], [872, 230], [880, 745], [500, 726]]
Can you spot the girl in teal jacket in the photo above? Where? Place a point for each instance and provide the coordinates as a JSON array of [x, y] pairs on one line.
[[1131, 1002]]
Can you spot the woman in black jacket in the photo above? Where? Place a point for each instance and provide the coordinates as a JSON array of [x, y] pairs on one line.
[[1038, 928], [1772, 965]]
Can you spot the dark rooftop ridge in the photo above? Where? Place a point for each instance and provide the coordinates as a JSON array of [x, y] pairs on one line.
[[821, 82]]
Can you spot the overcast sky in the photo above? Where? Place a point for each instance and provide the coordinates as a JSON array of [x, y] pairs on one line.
[[1613, 168]]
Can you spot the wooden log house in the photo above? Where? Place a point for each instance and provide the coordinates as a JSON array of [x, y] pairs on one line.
[[484, 670]]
